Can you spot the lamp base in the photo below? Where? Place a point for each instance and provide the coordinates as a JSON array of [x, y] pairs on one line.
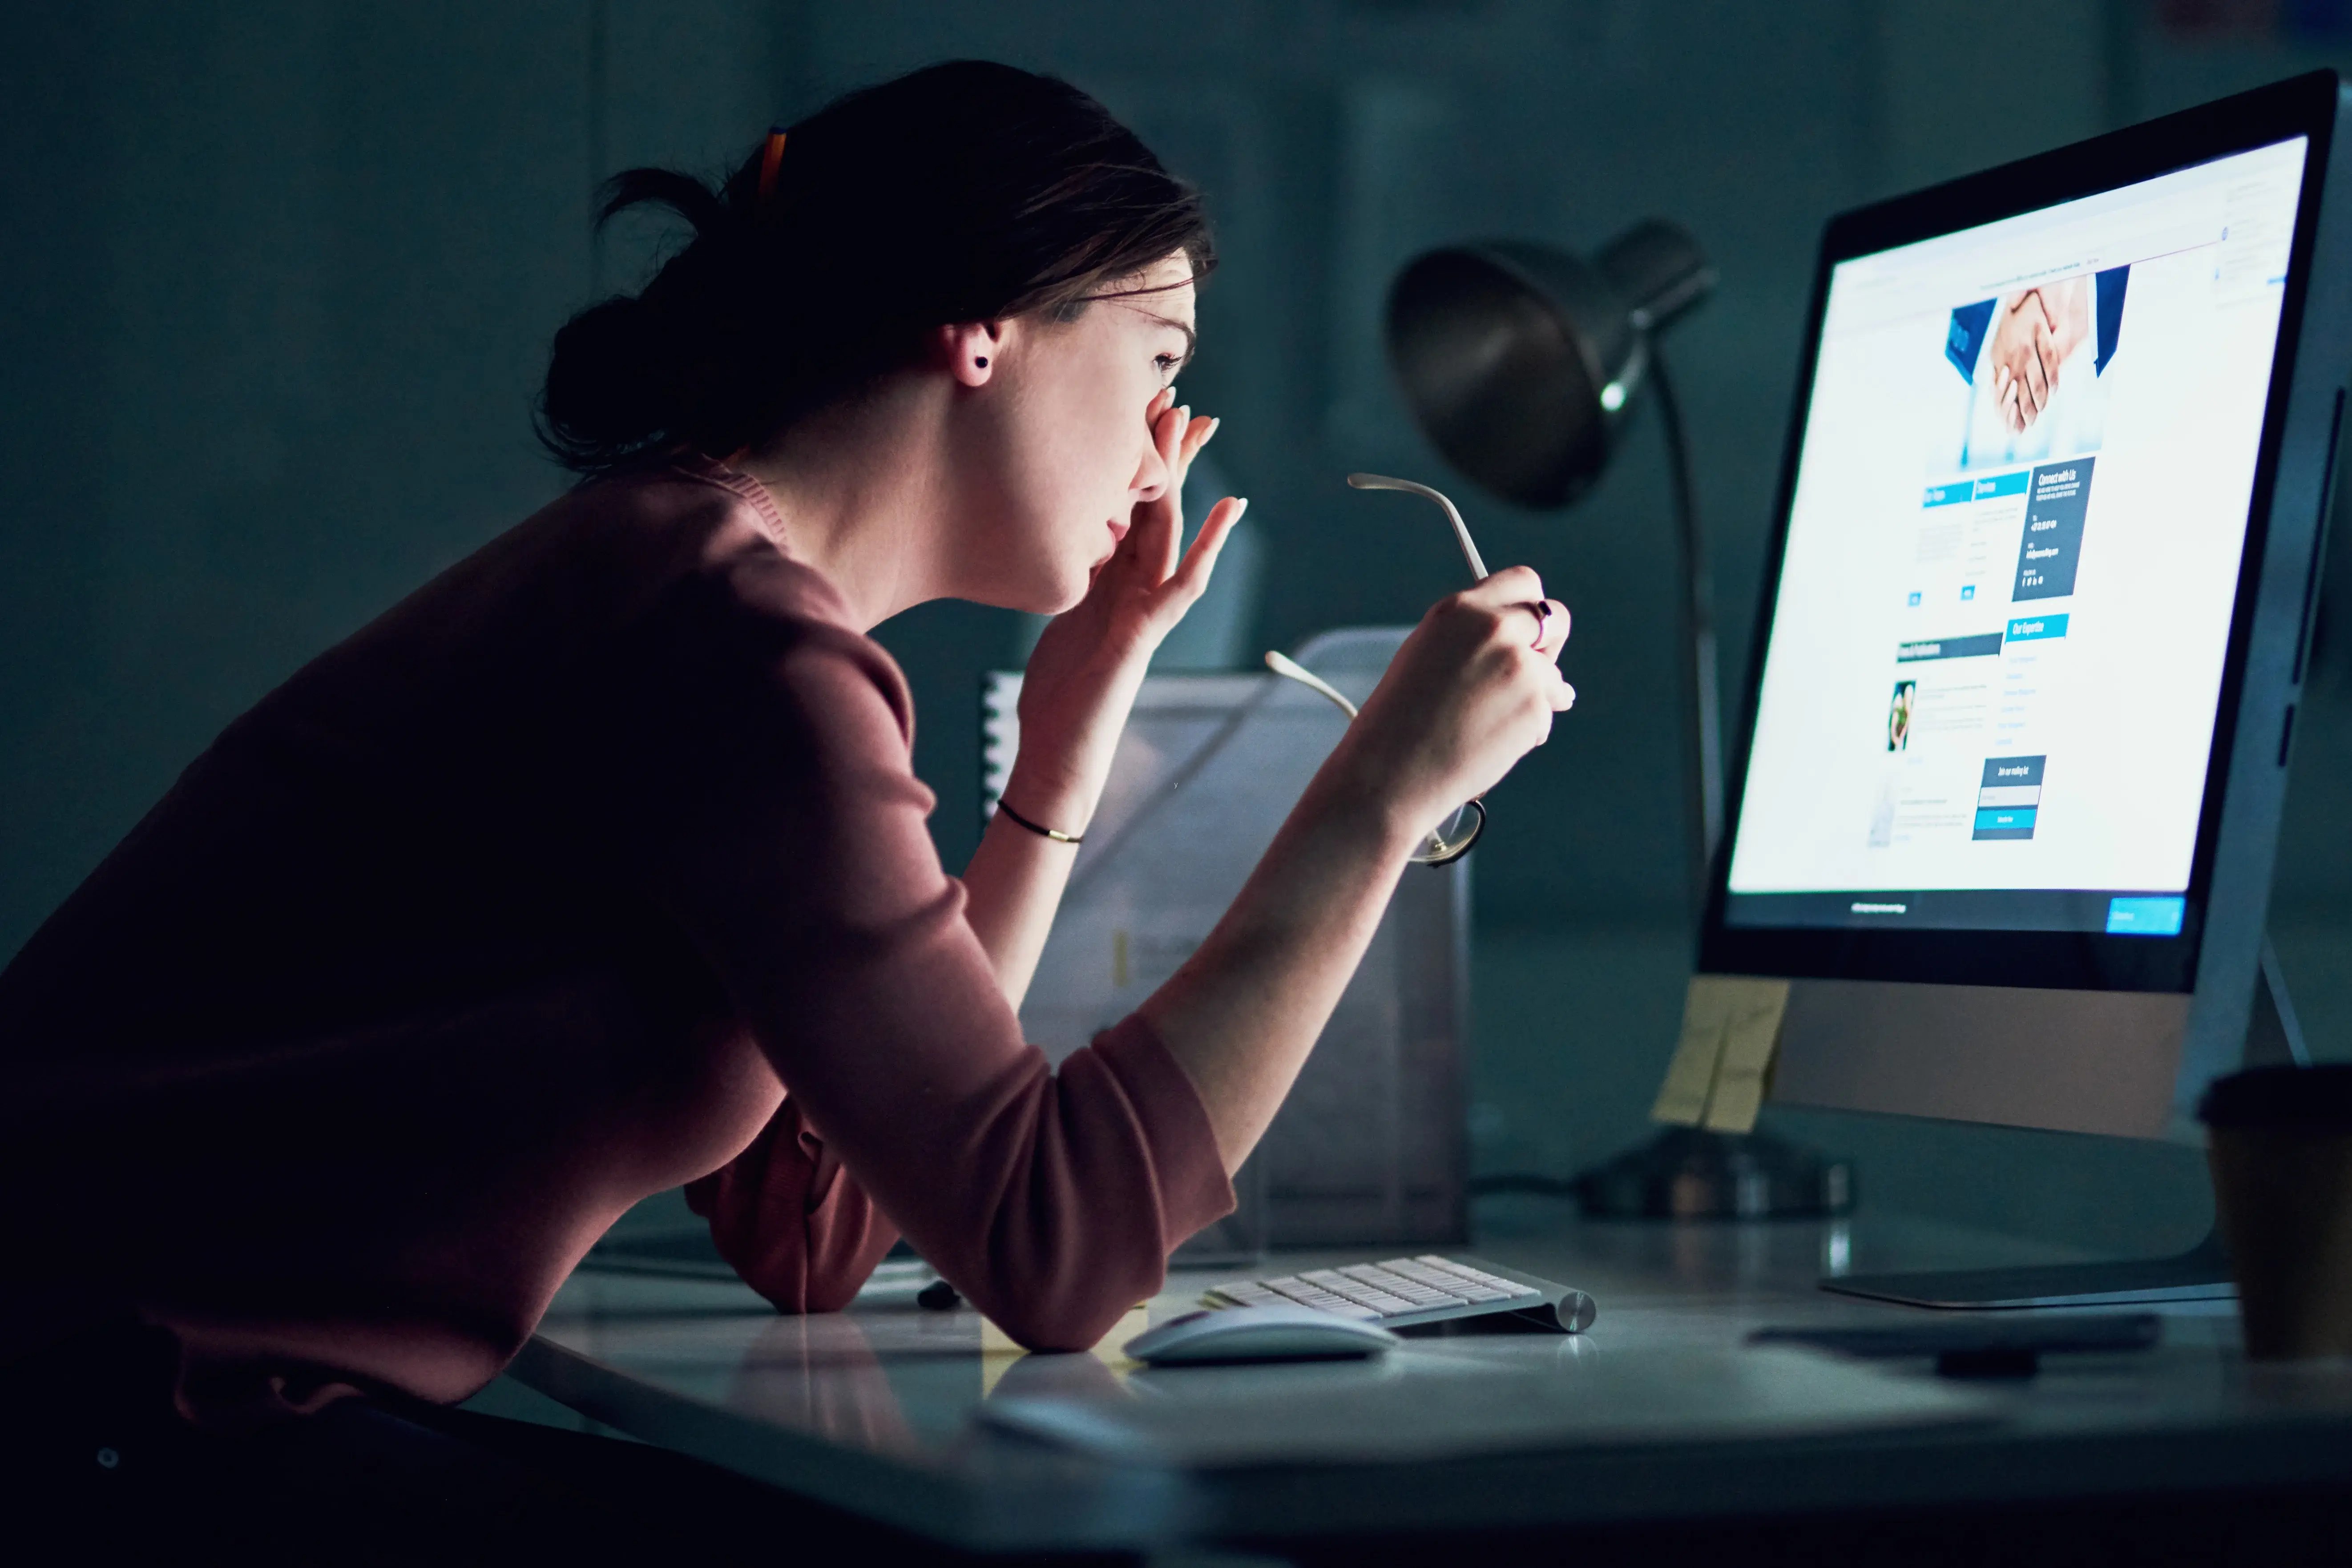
[[1692, 1173]]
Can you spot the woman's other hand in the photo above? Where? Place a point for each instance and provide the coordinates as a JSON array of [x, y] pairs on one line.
[[1089, 664], [1469, 693]]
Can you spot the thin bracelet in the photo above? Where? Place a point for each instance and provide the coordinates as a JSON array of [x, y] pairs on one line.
[[1039, 828]]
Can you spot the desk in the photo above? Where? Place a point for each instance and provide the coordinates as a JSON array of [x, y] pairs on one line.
[[1660, 1415]]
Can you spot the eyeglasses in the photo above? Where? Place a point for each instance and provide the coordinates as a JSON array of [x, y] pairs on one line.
[[1451, 839]]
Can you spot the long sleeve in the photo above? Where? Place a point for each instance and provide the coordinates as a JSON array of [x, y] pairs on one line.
[[594, 868], [778, 820], [790, 1221]]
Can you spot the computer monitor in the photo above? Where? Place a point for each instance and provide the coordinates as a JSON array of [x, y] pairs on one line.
[[2035, 622]]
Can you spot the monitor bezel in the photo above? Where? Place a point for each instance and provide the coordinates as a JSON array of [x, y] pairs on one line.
[[2090, 961]]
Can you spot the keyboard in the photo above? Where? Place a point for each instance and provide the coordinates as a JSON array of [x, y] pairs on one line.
[[1405, 1292]]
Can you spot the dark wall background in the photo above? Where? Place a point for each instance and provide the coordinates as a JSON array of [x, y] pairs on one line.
[[278, 279]]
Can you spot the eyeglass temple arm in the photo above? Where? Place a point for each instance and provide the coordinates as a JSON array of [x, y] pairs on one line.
[[1291, 670], [1461, 528]]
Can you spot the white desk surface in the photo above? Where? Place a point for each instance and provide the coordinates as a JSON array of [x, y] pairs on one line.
[[1660, 1413]]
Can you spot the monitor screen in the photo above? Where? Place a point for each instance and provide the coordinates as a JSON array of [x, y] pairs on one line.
[[2003, 610]]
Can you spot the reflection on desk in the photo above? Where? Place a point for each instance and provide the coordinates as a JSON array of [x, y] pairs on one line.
[[1660, 1413], [1466, 1397]]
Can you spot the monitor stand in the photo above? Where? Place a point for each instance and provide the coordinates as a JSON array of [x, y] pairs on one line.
[[2199, 1274], [2273, 1035]]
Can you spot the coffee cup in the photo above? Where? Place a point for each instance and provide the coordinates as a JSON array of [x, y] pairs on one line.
[[2279, 1144]]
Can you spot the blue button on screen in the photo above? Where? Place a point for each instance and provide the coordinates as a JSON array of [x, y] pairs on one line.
[[2144, 916]]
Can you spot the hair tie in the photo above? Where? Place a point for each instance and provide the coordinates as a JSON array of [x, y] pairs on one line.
[[771, 158]]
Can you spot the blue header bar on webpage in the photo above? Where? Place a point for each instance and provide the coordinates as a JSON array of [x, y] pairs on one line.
[[1978, 646], [1961, 491]]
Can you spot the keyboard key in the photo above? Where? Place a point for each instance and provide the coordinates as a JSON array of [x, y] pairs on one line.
[[1357, 1294], [1387, 1283]]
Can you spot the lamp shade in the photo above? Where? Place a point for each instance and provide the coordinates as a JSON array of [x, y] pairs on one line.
[[1520, 362]]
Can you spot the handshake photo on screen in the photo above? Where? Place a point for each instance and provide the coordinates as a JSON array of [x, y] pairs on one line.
[[2034, 361]]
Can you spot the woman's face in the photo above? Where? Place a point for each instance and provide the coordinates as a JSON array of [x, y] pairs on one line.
[[1060, 451]]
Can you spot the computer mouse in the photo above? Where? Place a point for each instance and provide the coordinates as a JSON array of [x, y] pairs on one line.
[[1257, 1333]]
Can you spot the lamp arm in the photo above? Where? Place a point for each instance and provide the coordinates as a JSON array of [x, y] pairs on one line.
[[1704, 738]]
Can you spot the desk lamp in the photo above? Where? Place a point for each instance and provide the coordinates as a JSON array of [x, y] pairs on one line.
[[1522, 365]]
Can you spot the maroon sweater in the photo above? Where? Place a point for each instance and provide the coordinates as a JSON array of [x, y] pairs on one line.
[[595, 867]]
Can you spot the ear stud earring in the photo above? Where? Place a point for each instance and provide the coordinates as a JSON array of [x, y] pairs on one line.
[[981, 361]]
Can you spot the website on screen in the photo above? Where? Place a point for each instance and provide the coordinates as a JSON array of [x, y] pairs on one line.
[[1998, 638]]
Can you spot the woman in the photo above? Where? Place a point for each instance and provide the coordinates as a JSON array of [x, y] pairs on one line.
[[598, 865]]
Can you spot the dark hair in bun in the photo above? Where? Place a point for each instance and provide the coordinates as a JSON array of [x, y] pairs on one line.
[[964, 192]]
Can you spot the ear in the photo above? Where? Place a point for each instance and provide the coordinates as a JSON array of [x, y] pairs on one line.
[[972, 348]]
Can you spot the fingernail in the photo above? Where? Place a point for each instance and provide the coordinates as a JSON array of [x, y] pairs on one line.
[[1240, 508], [1213, 428]]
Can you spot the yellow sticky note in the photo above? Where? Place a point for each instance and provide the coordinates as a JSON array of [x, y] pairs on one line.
[[1690, 1076], [1751, 1034], [1110, 1349], [999, 1349]]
